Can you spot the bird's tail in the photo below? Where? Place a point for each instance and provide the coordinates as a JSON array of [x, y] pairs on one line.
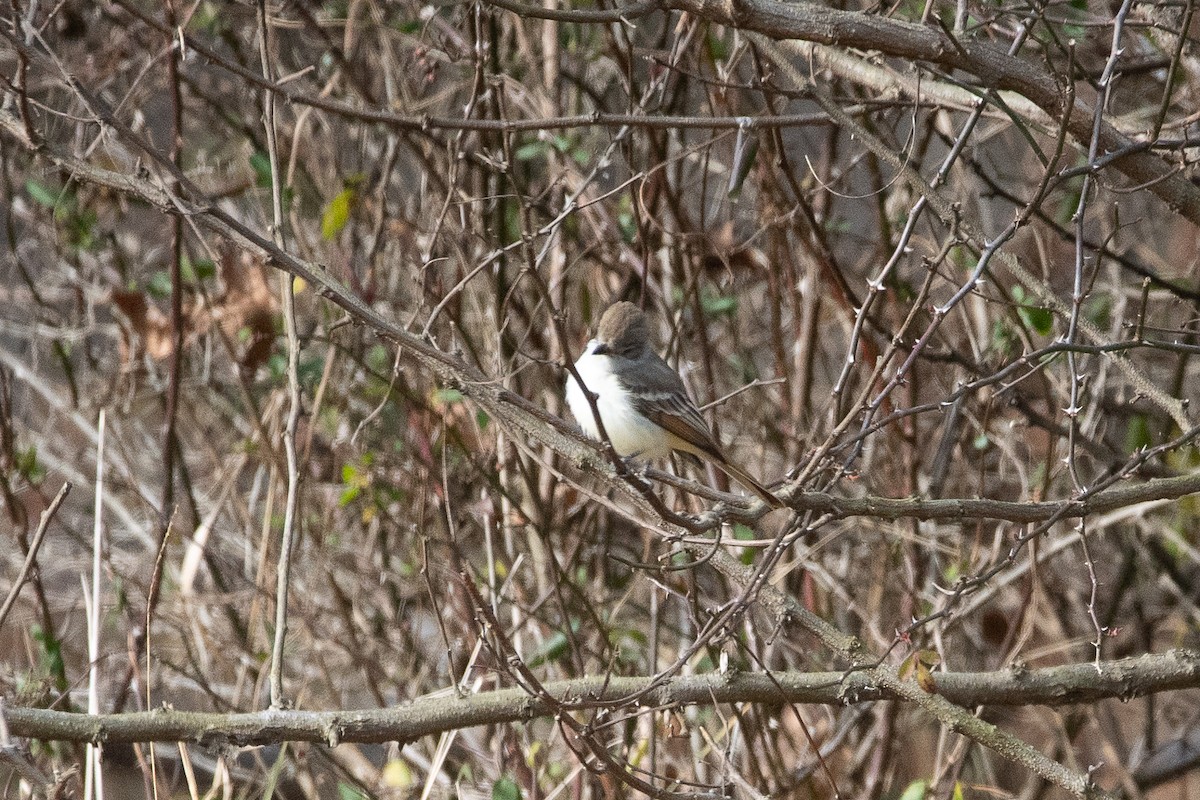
[[744, 478]]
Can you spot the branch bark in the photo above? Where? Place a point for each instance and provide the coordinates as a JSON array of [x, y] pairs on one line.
[[994, 68], [1054, 686]]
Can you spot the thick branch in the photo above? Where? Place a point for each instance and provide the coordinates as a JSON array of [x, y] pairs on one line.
[[1065, 685], [1020, 512], [885, 677]]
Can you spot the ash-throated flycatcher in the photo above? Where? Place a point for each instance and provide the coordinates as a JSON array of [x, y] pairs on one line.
[[643, 404]]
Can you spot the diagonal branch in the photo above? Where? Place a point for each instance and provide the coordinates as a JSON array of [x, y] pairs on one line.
[[993, 67]]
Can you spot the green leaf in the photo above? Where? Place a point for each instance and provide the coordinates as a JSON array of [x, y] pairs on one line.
[[1068, 204], [628, 226], [208, 18], [719, 305], [379, 359], [551, 650], [196, 271], [448, 396], [1036, 317], [80, 225], [41, 194], [397, 774], [1003, 338], [159, 284], [50, 659], [1040, 319], [618, 635], [904, 290], [348, 792], [914, 791], [929, 657], [742, 532], [277, 366], [310, 370], [337, 213], [506, 789], [28, 467], [261, 164], [1137, 433], [530, 151], [718, 49], [1098, 309]]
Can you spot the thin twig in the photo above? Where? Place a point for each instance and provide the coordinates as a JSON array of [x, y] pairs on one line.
[[287, 296], [34, 546], [93, 774]]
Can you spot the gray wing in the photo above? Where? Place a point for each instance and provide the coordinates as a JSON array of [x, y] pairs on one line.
[[662, 398]]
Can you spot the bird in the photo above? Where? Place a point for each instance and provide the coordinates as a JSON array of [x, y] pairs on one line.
[[643, 403]]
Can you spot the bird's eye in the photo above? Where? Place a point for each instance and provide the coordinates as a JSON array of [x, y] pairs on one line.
[[601, 349]]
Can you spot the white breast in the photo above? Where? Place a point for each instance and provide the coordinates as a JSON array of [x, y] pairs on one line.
[[631, 434]]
